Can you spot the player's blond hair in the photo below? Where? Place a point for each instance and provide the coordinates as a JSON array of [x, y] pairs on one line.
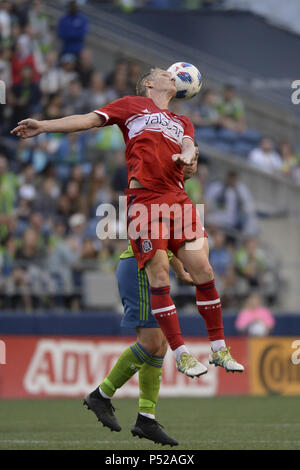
[[141, 89]]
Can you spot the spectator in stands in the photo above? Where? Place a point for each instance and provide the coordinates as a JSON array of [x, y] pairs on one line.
[[39, 25], [78, 175], [37, 223], [5, 66], [99, 189], [51, 80], [72, 30], [25, 96], [207, 114], [255, 319], [63, 255], [8, 195], [20, 13], [98, 94], [46, 200], [7, 260], [85, 67], [29, 279], [195, 185], [23, 56], [109, 256], [64, 209], [290, 165], [75, 99], [67, 70], [134, 72], [120, 68], [220, 257], [8, 186], [75, 199], [231, 110], [90, 253], [251, 266], [27, 176], [119, 179], [71, 151], [53, 109], [5, 20], [120, 85], [230, 205], [265, 158]]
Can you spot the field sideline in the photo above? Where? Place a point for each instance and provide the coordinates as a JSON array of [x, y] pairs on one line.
[[198, 423]]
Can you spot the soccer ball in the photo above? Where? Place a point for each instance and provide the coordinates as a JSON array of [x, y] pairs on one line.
[[188, 80]]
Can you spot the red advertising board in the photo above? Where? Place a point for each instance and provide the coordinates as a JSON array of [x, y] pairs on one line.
[[56, 366]]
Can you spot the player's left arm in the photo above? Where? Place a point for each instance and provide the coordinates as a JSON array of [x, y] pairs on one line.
[[187, 155], [190, 170], [180, 272]]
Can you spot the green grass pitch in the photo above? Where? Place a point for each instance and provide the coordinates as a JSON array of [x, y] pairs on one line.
[[197, 423]]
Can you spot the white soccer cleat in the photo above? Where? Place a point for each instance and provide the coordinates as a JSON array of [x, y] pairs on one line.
[[224, 359], [189, 366]]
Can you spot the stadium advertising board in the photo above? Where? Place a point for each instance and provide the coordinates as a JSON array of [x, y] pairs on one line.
[[72, 367], [275, 366]]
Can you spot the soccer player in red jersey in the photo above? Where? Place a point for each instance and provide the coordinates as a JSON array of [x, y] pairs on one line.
[[158, 143]]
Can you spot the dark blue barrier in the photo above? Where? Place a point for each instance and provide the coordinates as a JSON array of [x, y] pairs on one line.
[[108, 324]]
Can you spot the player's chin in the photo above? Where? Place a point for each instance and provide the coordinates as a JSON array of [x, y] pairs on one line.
[[173, 91]]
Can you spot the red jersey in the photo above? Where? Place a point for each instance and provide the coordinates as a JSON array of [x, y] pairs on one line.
[[152, 135]]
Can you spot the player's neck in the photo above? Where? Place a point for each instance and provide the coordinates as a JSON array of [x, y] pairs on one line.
[[161, 100]]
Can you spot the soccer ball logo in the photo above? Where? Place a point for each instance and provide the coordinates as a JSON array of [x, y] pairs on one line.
[[188, 79]]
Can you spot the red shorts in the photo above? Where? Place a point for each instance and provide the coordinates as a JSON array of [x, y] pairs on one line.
[[160, 221]]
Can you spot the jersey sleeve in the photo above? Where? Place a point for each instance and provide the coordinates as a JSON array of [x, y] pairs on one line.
[[189, 130], [116, 112]]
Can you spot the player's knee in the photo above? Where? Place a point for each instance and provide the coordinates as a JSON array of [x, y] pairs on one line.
[[163, 347], [208, 271], [160, 277], [204, 274], [154, 344], [151, 346]]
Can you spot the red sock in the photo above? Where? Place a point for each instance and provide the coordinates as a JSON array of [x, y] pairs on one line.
[[165, 314], [209, 306]]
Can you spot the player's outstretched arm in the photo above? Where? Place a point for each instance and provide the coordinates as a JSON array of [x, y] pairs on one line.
[[81, 122], [187, 155]]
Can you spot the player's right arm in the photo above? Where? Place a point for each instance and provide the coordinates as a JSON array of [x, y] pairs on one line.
[[113, 113], [82, 122]]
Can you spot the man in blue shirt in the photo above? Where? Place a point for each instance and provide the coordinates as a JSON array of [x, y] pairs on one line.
[[72, 29]]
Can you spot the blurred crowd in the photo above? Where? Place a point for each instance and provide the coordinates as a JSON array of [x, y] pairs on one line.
[[51, 185], [220, 121], [129, 5]]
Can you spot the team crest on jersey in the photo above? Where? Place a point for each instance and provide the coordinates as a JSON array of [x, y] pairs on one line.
[[147, 246]]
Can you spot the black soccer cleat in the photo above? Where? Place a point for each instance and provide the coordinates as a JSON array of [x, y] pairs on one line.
[[152, 430], [103, 409]]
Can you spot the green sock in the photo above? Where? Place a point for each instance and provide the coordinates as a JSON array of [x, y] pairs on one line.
[[149, 381], [130, 361]]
